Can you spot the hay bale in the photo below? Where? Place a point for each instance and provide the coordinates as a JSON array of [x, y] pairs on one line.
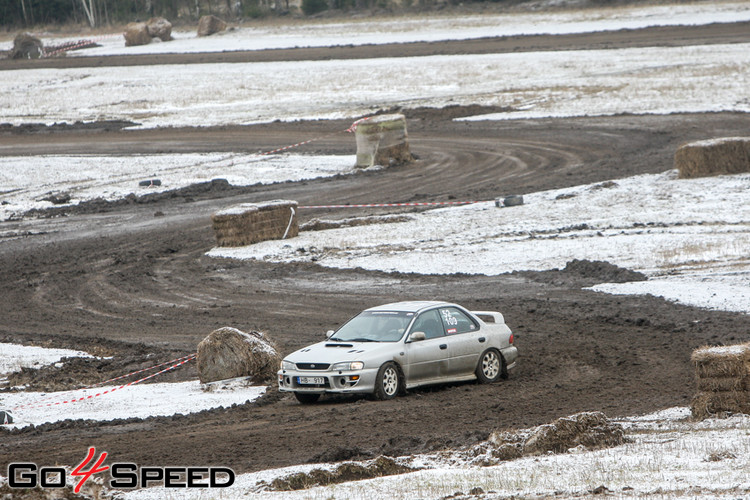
[[729, 155], [26, 46], [208, 25], [710, 404], [250, 223], [229, 353], [723, 384], [160, 28], [723, 379], [382, 140], [136, 34], [590, 429], [722, 361]]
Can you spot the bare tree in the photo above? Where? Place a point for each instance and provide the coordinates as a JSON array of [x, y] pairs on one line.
[[27, 18], [90, 9]]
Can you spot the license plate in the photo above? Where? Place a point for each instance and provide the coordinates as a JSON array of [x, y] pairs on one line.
[[311, 380]]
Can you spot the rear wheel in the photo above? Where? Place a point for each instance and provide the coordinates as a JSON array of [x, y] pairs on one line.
[[387, 382], [490, 366], [306, 398]]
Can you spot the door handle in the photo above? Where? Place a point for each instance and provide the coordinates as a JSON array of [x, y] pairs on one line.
[[482, 339], [444, 346]]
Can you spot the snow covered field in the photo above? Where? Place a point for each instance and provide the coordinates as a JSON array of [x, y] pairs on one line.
[[573, 83], [30, 179], [647, 80]]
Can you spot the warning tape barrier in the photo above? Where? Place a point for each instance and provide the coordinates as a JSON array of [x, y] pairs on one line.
[[175, 363], [352, 128], [80, 43]]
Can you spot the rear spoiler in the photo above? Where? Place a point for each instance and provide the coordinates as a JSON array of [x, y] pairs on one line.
[[489, 316]]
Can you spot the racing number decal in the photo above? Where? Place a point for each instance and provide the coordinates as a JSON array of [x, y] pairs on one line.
[[448, 317]]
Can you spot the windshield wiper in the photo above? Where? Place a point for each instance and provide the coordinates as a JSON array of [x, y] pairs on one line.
[[362, 339]]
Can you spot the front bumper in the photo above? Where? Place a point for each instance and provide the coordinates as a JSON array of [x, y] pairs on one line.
[[327, 381]]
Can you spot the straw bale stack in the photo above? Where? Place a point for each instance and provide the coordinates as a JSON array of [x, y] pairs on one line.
[[136, 34], [729, 155], [382, 140], [723, 380], [229, 353], [27, 46], [250, 223], [160, 28]]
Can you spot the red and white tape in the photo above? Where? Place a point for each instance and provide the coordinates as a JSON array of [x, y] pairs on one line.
[[291, 146], [351, 129], [175, 363], [79, 44]]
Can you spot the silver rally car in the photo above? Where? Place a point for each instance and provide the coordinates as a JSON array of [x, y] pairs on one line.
[[387, 349]]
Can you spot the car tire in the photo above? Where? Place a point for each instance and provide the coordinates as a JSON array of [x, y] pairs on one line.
[[387, 382], [490, 366], [306, 398]]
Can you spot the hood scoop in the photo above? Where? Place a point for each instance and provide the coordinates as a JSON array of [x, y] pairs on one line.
[[340, 345]]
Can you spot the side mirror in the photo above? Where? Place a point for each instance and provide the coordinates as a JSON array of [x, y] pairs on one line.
[[417, 336], [329, 334]]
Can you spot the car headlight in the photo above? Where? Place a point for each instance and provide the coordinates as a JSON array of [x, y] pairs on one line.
[[287, 365], [348, 366]]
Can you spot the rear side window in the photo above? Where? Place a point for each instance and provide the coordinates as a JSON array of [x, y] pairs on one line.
[[456, 321]]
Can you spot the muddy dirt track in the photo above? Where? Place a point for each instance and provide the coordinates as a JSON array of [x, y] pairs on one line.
[[130, 278]]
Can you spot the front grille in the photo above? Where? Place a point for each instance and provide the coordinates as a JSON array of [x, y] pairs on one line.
[[313, 366]]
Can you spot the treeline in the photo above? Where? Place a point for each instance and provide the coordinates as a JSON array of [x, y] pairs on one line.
[[27, 13], [19, 14]]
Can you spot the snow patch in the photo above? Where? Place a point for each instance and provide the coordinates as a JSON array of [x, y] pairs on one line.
[[13, 357]]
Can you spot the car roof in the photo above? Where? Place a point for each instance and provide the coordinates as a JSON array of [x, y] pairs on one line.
[[409, 306]]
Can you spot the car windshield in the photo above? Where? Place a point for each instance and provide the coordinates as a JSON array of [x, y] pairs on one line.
[[374, 326]]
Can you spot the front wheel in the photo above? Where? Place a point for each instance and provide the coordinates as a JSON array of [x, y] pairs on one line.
[[306, 398], [387, 382], [490, 367]]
